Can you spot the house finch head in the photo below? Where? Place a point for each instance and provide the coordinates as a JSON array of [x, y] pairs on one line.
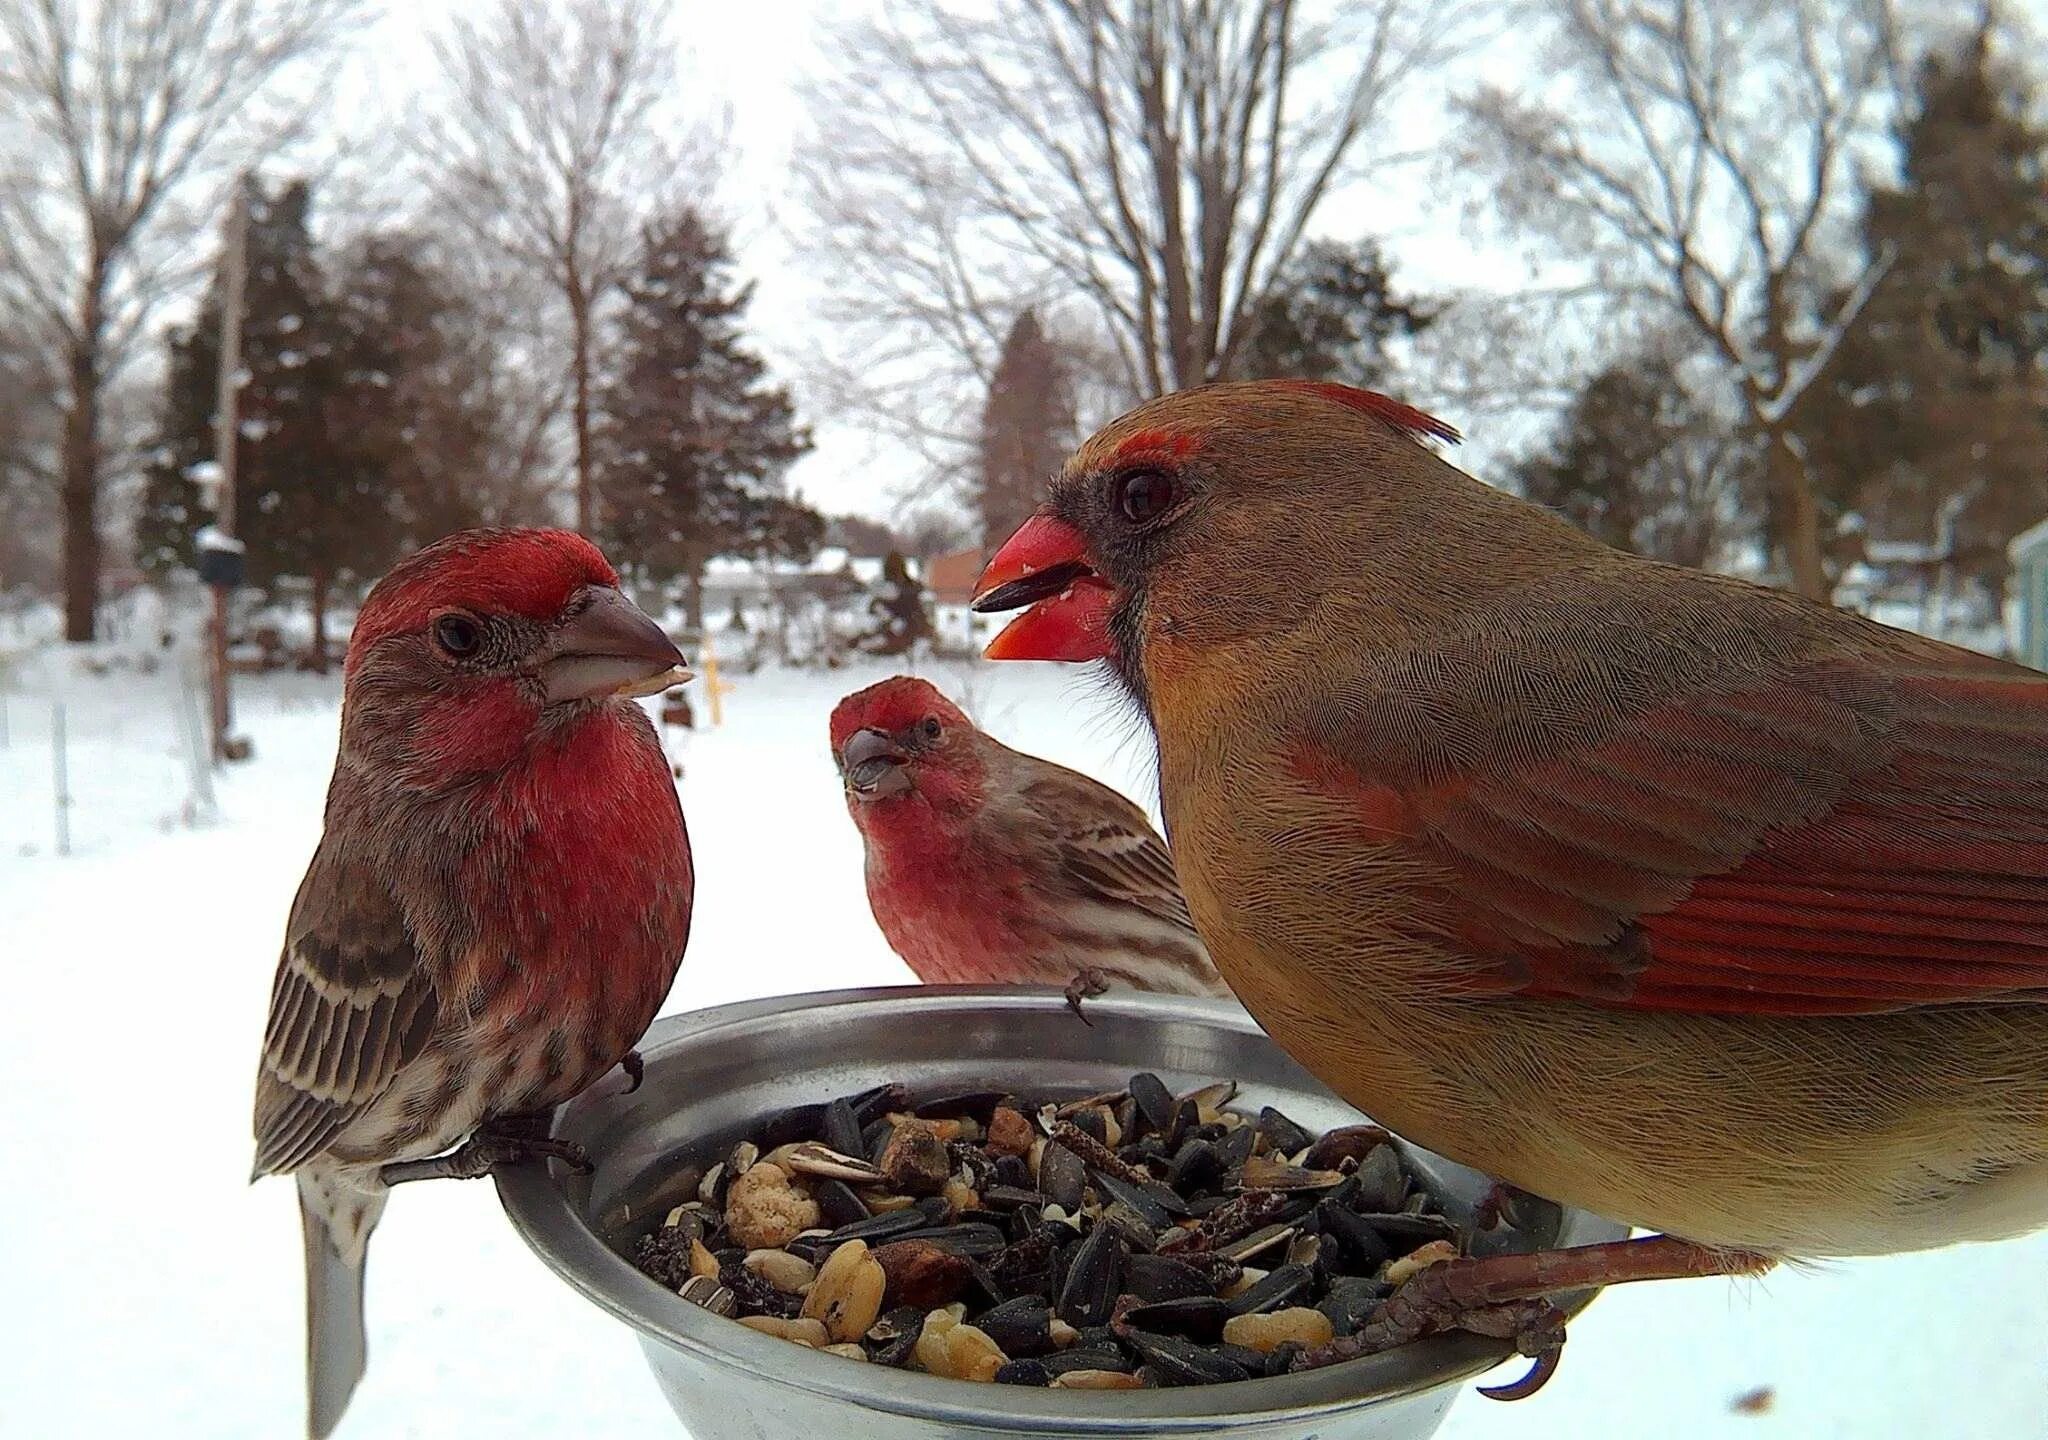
[[497, 905], [986, 865], [1694, 903]]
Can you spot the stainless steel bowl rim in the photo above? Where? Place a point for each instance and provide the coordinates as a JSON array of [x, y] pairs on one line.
[[544, 1215]]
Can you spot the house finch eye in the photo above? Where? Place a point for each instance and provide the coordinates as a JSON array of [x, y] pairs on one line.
[[458, 635], [1144, 495], [931, 727]]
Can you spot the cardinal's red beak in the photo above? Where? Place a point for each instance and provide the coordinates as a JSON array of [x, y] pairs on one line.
[[1045, 565]]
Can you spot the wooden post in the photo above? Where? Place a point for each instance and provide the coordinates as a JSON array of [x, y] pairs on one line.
[[227, 431], [714, 688]]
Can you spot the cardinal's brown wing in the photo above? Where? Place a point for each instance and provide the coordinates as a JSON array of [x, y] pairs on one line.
[[1865, 829]]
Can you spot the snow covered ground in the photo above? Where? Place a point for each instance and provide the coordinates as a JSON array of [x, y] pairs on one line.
[[145, 1289]]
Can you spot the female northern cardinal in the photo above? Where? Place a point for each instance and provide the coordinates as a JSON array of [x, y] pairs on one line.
[[497, 906], [988, 865], [1694, 903]]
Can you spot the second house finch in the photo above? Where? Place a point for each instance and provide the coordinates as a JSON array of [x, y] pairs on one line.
[[1702, 906], [987, 865], [497, 906]]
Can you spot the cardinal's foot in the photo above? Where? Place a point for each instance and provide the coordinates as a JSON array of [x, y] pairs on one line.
[[1086, 985], [1535, 1326], [484, 1153], [635, 1068], [1507, 1296]]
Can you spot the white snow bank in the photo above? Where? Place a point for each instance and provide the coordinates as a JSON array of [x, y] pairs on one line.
[[150, 1291]]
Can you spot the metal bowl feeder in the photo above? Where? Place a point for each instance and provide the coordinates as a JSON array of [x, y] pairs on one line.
[[713, 1076]]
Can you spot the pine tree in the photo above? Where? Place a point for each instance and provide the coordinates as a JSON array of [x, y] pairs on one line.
[[1333, 317], [1027, 427], [1934, 422], [312, 489], [902, 613], [694, 444], [1638, 465], [419, 389]]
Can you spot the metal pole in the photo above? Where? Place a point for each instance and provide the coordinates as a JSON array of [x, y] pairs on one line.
[[234, 274], [193, 730], [62, 775]]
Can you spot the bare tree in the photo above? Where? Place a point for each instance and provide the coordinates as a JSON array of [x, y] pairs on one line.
[[550, 148], [1161, 160], [1701, 158], [118, 121]]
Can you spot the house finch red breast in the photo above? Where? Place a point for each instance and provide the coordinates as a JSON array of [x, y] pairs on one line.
[[1694, 903], [497, 906], [988, 865]]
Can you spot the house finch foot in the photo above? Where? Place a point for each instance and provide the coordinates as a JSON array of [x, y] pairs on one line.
[[490, 1148], [635, 1068], [1505, 1296], [1087, 983]]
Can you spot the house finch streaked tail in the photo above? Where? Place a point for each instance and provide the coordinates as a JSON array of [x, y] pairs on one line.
[[985, 865], [497, 906], [1694, 903]]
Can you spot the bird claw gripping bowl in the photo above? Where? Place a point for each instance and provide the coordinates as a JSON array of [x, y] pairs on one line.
[[717, 1076]]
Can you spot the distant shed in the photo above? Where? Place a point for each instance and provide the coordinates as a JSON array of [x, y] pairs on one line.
[[2029, 554], [950, 578]]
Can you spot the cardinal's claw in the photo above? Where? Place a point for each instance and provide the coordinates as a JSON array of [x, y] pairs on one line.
[[1505, 1204], [1536, 1327], [1088, 982], [1538, 1376], [1506, 1296], [635, 1068]]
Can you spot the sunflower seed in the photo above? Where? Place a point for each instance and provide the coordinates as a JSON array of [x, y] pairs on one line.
[[1155, 1101]]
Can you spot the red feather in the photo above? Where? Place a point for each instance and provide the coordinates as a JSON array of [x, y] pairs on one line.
[[1407, 419], [514, 572], [1831, 843]]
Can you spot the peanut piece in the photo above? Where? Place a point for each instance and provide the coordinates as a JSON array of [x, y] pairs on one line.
[[847, 1295], [1263, 1332]]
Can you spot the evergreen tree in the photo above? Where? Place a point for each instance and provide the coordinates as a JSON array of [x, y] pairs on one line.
[[287, 362], [694, 443], [419, 392], [368, 413], [1027, 427], [1638, 465], [902, 613], [1333, 316], [1933, 423]]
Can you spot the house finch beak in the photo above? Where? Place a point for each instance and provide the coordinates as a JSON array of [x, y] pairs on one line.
[[1686, 901], [989, 866], [497, 906]]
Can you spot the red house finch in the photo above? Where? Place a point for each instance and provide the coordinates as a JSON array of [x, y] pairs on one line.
[[1694, 903], [497, 906], [988, 865]]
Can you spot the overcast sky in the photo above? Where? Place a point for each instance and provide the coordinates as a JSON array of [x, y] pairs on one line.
[[752, 57]]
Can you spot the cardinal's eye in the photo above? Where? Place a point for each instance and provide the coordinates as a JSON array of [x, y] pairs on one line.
[[1144, 495], [930, 727], [458, 635]]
